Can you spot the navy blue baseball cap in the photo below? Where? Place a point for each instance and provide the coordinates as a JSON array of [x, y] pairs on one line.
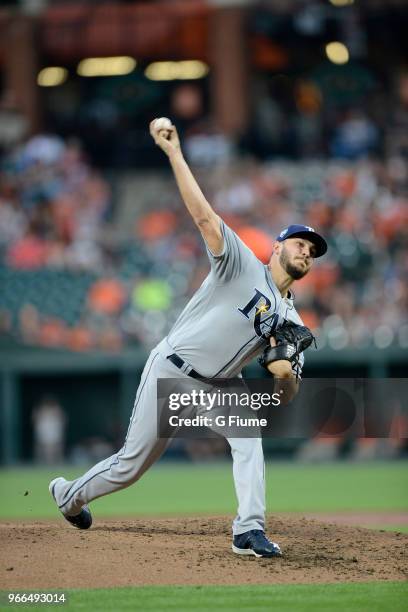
[[307, 232]]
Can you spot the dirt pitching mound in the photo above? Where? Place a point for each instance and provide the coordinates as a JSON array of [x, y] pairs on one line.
[[137, 552]]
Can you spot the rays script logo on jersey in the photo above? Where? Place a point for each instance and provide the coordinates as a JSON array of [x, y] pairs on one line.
[[265, 322]]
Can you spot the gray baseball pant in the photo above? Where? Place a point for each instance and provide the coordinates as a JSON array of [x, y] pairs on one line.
[[142, 448]]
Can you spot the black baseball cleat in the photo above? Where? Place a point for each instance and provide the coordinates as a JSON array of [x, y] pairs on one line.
[[256, 543], [83, 520]]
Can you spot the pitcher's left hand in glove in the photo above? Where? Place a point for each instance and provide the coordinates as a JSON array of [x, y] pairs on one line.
[[291, 340]]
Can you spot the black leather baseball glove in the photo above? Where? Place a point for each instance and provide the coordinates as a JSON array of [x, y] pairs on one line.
[[291, 340]]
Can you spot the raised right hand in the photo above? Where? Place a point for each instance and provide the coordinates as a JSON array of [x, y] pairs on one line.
[[167, 139]]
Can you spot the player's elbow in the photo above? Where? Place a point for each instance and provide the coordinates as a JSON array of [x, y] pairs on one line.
[[207, 220], [210, 229], [203, 223]]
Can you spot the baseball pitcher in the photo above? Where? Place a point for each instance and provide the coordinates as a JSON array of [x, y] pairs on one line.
[[243, 309]]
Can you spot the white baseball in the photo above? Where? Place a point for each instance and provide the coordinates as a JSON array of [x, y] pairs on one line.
[[163, 123]]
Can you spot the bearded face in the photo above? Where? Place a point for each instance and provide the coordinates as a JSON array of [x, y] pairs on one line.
[[296, 257]]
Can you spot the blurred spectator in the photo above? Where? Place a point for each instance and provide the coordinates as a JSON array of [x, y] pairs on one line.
[[91, 450], [207, 146], [29, 324], [13, 124], [49, 422], [157, 224], [258, 241], [397, 132], [354, 137], [44, 149], [106, 296], [27, 253]]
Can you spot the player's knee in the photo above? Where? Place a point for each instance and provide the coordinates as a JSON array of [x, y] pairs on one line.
[[127, 470]]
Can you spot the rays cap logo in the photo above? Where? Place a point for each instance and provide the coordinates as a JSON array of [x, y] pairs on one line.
[[307, 232]]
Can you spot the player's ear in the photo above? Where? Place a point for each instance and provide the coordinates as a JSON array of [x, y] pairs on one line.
[[276, 247]]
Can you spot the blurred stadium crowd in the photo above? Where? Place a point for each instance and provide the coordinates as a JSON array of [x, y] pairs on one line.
[[88, 263]]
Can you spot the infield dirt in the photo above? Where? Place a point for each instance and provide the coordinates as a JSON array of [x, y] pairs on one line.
[[45, 555]]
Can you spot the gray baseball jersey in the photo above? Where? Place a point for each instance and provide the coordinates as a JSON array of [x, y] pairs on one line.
[[229, 319], [226, 323]]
